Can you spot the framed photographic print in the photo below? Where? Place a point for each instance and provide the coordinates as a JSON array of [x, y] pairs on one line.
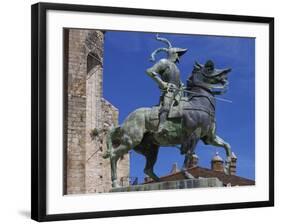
[[140, 111]]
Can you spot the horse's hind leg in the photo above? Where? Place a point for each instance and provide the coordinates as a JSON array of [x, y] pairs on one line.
[[184, 169], [151, 157], [186, 163], [188, 148]]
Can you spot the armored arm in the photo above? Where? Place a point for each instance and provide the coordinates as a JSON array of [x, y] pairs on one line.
[[155, 72]]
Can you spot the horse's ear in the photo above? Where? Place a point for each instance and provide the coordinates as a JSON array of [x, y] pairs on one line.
[[196, 68], [197, 65], [228, 70]]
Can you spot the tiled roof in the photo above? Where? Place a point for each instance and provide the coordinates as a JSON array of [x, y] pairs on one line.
[[204, 172]]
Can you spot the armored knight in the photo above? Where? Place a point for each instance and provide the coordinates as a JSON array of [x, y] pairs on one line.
[[167, 75]]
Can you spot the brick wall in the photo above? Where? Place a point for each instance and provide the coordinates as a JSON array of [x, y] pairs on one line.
[[86, 171], [76, 113]]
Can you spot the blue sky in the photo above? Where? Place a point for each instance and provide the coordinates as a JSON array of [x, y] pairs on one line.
[[127, 87]]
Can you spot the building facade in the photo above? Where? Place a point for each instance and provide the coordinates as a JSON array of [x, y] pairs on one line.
[[87, 116]]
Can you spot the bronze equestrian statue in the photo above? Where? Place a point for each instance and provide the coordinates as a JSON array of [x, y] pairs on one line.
[[188, 119]]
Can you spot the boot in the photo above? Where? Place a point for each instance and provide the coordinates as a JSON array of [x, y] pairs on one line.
[[161, 127]]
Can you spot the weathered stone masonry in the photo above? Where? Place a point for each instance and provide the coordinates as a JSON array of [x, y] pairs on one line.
[[86, 110]]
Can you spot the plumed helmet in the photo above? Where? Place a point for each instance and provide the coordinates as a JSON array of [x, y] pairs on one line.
[[169, 50]]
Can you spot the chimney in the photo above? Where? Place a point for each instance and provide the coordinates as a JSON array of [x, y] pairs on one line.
[[174, 168], [193, 161], [233, 164], [217, 163]]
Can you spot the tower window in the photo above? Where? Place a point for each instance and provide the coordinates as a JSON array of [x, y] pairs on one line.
[[92, 61]]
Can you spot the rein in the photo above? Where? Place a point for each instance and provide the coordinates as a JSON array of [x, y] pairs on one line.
[[217, 98], [201, 87], [202, 95], [204, 88]]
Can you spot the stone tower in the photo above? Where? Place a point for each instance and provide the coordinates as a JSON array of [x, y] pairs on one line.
[[217, 163], [86, 113], [233, 164]]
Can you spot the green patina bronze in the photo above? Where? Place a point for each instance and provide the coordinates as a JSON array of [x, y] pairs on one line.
[[185, 115]]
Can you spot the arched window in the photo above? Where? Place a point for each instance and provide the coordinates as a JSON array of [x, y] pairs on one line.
[[92, 61]]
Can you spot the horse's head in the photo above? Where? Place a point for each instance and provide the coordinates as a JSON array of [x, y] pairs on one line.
[[207, 76]]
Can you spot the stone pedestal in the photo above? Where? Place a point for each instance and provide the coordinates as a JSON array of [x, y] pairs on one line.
[[178, 184]]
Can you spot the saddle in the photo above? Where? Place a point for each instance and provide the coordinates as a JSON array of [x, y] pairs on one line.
[[177, 111]]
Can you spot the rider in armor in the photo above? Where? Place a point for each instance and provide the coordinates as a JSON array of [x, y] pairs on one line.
[[167, 75]]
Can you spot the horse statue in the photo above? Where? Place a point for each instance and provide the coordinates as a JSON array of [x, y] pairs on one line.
[[190, 119]]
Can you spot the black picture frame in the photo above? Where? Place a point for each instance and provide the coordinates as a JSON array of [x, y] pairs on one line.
[[39, 108]]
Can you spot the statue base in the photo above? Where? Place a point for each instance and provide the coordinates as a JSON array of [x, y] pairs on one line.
[[167, 185]]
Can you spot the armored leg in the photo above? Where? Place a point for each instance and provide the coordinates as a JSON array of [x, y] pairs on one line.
[[162, 118], [163, 113]]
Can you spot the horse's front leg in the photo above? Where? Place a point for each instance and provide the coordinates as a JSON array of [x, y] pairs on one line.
[[118, 152], [218, 141], [113, 163]]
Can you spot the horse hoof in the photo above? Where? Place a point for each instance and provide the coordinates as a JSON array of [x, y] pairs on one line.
[[227, 170], [187, 175], [115, 184]]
